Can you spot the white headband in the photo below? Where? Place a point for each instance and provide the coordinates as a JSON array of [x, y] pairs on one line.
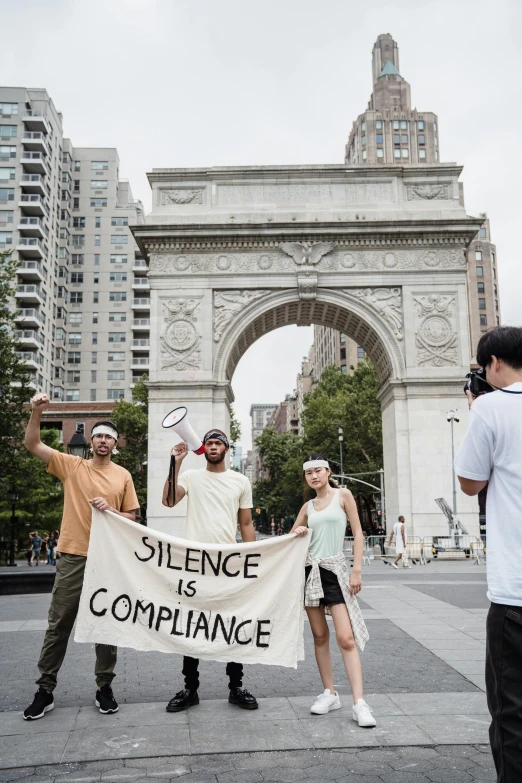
[[103, 429], [316, 463]]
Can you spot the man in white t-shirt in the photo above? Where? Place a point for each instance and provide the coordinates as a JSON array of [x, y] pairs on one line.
[[217, 500], [491, 454]]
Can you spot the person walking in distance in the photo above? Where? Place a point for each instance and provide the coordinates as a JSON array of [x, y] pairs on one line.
[[91, 483], [36, 546], [331, 588], [491, 454], [217, 499], [400, 542]]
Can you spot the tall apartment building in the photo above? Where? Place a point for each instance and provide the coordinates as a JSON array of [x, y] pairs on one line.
[[305, 382], [391, 132], [82, 294], [260, 414]]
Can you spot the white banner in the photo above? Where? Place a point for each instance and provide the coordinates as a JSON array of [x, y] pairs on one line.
[[150, 591]]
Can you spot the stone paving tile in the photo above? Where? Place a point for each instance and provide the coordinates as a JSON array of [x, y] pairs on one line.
[[93, 744], [380, 703], [455, 729], [441, 764], [50, 749], [250, 735], [441, 703], [148, 714], [57, 720]]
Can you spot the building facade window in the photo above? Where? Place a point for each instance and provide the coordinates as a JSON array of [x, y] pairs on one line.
[[73, 376], [97, 222], [95, 297], [363, 126], [360, 353], [99, 184], [478, 255], [115, 394], [7, 174], [94, 357], [116, 375], [378, 124], [380, 152], [480, 288], [118, 259], [95, 318], [99, 165], [118, 277], [480, 271], [379, 138], [421, 138], [119, 239], [6, 194], [117, 296], [7, 131], [364, 154], [116, 337], [482, 304], [75, 338], [422, 154], [93, 395], [7, 151], [94, 338], [483, 320], [72, 395], [98, 202], [117, 317], [482, 233], [420, 125], [94, 375], [74, 357], [404, 152], [6, 217], [76, 277], [75, 318], [396, 153], [363, 141], [77, 259], [97, 240], [77, 165], [8, 109], [116, 356], [76, 297], [96, 278], [119, 221], [343, 368]]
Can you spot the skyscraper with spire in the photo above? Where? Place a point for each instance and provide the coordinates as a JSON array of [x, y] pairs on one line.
[[390, 131]]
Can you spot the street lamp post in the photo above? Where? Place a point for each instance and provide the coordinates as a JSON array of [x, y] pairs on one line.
[[78, 446], [453, 416], [13, 498]]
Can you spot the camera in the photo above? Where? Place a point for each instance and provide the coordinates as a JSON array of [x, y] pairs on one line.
[[477, 383]]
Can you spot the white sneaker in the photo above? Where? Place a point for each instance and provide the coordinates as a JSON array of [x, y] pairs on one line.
[[394, 566], [325, 702], [363, 715]]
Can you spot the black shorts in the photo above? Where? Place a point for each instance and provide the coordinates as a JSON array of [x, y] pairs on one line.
[[331, 588]]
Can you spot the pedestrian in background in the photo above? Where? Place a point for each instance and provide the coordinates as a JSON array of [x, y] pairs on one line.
[[491, 454], [37, 543], [400, 542], [29, 553]]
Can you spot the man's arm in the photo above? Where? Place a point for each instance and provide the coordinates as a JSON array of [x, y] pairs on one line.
[[32, 440], [248, 532], [470, 486], [180, 452]]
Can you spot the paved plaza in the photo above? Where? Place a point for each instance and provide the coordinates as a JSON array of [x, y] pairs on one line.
[[424, 678]]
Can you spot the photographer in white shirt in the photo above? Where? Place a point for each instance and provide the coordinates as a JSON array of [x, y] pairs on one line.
[[491, 454]]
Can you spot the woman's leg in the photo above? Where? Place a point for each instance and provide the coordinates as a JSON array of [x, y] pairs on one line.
[[346, 642], [321, 636], [398, 558]]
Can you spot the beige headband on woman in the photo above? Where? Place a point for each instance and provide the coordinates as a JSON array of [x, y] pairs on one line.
[[316, 463]]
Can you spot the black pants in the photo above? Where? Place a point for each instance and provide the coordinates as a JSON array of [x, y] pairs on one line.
[[191, 674], [504, 689]]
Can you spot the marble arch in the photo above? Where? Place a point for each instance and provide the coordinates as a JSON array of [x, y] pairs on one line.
[[374, 251]]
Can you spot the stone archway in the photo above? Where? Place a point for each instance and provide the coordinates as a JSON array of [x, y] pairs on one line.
[[236, 253]]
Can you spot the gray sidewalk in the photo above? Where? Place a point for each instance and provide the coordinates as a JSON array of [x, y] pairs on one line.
[[70, 734]]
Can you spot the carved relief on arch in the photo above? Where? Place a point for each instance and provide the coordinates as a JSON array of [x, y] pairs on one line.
[[436, 340], [228, 304], [179, 338], [387, 302]]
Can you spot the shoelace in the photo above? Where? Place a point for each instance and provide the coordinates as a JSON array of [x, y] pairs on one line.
[[324, 696]]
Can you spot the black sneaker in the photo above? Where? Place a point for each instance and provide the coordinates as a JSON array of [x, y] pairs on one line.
[[105, 700], [242, 698], [43, 702], [182, 700]]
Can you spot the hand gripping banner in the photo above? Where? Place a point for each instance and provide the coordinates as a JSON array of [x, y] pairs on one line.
[[150, 591]]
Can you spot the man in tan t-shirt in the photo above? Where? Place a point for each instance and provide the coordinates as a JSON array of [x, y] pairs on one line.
[[96, 482]]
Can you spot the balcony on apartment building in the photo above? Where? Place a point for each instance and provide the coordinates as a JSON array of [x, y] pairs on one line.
[[30, 293], [34, 183], [30, 358], [36, 120], [30, 247], [32, 270], [29, 338], [139, 265], [34, 162], [32, 204], [31, 227], [140, 362], [141, 324], [35, 141], [137, 377], [141, 284], [140, 345], [29, 316], [141, 303]]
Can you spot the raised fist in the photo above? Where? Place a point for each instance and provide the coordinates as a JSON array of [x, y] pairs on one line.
[[40, 401]]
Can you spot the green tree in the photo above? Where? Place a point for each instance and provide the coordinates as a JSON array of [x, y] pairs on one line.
[[235, 428], [283, 492], [352, 401], [131, 420]]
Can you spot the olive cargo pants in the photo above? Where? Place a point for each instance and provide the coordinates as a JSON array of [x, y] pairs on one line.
[[62, 614]]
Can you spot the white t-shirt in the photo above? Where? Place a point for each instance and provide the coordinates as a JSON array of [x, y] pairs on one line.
[[399, 543], [492, 449], [214, 500]]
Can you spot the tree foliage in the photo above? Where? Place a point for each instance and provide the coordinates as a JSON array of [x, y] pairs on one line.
[[235, 428], [283, 492], [339, 398], [131, 420], [352, 401]]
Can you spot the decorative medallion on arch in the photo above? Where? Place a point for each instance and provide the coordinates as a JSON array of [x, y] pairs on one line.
[[179, 337], [436, 338]]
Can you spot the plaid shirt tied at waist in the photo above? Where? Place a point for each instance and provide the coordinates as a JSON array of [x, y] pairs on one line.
[[314, 593]]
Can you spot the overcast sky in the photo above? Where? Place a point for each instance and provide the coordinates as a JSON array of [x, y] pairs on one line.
[[238, 82]]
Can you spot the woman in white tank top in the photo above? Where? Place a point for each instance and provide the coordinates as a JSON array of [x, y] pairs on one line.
[[326, 518]]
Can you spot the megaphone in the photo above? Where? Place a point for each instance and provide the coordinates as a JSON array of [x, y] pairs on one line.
[[177, 420]]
